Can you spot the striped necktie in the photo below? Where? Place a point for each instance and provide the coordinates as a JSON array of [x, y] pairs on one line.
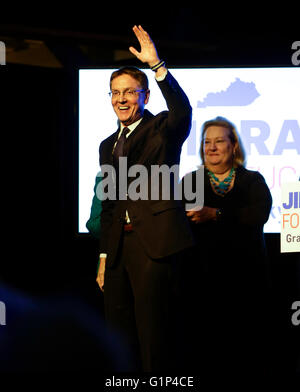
[[118, 150]]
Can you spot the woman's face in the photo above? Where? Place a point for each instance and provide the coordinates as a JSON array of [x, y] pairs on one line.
[[217, 147]]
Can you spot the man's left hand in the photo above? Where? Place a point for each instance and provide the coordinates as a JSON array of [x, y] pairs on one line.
[[148, 53]]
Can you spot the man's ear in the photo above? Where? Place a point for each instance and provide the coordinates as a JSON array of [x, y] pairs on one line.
[[147, 96]]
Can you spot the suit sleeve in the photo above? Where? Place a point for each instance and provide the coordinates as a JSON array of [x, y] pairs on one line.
[[93, 224], [177, 123], [259, 202], [106, 216]]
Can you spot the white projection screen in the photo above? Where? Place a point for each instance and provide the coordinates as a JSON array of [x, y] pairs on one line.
[[263, 103]]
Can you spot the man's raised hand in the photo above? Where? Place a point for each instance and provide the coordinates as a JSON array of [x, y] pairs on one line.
[[148, 53]]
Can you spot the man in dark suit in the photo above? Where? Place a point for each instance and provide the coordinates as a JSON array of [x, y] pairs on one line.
[[141, 241]]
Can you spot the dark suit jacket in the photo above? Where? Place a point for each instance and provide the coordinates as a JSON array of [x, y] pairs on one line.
[[161, 225], [231, 252]]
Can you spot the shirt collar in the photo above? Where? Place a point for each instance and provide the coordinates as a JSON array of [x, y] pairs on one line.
[[131, 127]]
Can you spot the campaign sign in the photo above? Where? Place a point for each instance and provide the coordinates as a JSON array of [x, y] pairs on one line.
[[290, 217], [263, 103]]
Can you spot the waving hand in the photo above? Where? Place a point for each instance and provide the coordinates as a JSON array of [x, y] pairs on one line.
[[148, 53]]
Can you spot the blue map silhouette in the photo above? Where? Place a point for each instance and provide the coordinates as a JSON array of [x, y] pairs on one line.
[[239, 93]]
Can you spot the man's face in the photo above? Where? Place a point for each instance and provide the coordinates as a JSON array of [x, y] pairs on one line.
[[127, 99]]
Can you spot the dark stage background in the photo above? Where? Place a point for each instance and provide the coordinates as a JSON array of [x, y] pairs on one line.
[[47, 270]]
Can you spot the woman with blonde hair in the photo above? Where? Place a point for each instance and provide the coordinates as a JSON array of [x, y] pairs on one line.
[[226, 274]]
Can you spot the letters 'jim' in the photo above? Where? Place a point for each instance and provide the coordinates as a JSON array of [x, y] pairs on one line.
[[294, 201]]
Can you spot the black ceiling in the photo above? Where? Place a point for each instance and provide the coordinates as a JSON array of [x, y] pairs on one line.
[[183, 36]]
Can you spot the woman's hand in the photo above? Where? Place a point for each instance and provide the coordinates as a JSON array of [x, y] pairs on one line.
[[148, 52], [203, 215]]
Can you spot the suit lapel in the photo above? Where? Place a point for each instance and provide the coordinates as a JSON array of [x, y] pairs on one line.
[[134, 144], [136, 141], [109, 147]]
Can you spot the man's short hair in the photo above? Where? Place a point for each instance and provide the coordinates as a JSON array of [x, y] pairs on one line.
[[135, 73]]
